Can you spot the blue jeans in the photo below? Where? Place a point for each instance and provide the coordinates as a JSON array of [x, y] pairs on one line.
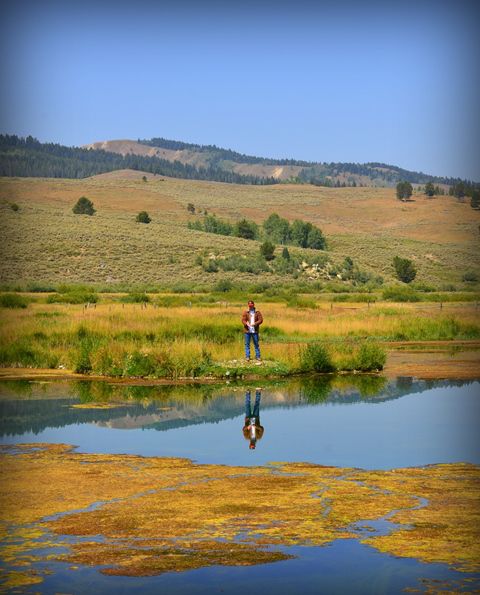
[[254, 336], [256, 406]]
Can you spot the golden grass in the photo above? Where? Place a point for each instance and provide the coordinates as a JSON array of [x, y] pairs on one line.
[[203, 335], [164, 514], [368, 224]]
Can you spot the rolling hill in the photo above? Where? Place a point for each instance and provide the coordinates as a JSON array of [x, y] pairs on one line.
[[44, 242]]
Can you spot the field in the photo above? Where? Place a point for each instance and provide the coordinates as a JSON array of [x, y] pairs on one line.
[[176, 338], [44, 242]]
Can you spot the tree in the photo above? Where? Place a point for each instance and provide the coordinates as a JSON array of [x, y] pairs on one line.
[[246, 229], [404, 269], [299, 232], [475, 200], [285, 254], [143, 217], [404, 190], [277, 229], [84, 206], [429, 189], [144, 178], [267, 250], [315, 239], [459, 190]]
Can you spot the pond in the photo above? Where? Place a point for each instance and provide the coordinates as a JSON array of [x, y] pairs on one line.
[[362, 422], [365, 422]]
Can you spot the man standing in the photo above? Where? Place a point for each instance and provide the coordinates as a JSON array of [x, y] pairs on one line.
[[251, 320]]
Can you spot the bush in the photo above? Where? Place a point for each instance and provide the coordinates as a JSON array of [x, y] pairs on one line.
[[470, 277], [316, 358], [267, 250], [223, 286], [139, 365], [84, 206], [400, 294], [404, 269], [135, 298], [143, 217], [73, 297], [371, 356], [14, 206], [83, 365], [12, 300]]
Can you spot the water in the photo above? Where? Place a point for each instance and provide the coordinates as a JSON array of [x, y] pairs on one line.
[[404, 423], [348, 422]]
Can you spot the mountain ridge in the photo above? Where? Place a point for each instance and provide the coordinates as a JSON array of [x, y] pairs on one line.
[[28, 157]]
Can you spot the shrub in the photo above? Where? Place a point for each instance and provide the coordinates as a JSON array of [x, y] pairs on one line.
[[84, 206], [267, 250], [83, 365], [12, 300], [371, 356], [73, 297], [139, 364], [135, 298], [14, 206], [404, 269], [399, 293], [223, 285], [315, 358], [143, 217], [470, 277]]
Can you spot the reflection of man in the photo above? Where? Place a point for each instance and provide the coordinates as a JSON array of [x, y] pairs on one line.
[[251, 320], [252, 430]]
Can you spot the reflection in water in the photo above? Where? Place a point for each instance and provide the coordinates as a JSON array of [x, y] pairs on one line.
[[252, 430], [343, 421]]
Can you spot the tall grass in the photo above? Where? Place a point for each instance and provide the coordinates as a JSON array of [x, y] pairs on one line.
[[134, 340]]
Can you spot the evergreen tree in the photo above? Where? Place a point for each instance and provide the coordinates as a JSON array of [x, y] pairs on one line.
[[267, 250], [143, 217], [429, 189], [83, 206], [404, 190], [246, 229]]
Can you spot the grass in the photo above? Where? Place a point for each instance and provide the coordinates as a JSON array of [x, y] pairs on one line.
[[45, 244], [172, 341], [229, 515]]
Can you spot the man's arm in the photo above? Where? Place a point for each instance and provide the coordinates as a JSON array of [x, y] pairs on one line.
[[259, 318]]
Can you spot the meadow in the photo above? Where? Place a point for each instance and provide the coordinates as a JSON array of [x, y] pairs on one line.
[[44, 242], [172, 338]]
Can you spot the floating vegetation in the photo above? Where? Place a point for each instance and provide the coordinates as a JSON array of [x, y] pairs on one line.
[[142, 516]]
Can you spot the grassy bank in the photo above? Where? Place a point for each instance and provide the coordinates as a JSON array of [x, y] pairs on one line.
[[158, 341]]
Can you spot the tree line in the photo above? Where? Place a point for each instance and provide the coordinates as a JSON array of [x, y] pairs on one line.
[[275, 229], [28, 157]]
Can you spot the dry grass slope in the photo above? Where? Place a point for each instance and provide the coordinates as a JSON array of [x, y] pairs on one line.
[[45, 241]]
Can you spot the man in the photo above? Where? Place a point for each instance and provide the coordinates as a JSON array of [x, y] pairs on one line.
[[252, 430], [251, 320]]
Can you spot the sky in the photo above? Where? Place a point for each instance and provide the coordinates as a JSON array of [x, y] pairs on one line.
[[396, 82]]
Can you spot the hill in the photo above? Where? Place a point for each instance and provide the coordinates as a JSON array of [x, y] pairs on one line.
[[27, 157], [43, 241]]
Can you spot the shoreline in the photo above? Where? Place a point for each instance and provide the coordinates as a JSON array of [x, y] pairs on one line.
[[455, 360]]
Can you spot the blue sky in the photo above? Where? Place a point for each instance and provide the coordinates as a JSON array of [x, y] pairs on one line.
[[396, 82]]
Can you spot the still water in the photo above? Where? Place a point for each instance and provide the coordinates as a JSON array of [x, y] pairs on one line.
[[362, 422], [380, 425]]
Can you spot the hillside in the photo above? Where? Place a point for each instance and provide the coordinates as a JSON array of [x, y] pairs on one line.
[[45, 242], [27, 157]]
